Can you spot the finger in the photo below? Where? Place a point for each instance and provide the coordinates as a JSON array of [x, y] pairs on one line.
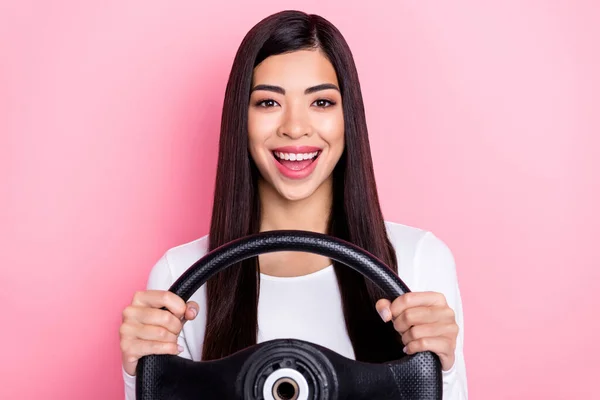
[[383, 308], [140, 348], [416, 299], [191, 311], [154, 316], [155, 333], [438, 345], [160, 299], [420, 316], [430, 330]]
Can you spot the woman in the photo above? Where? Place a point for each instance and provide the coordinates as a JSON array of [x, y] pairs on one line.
[[294, 154]]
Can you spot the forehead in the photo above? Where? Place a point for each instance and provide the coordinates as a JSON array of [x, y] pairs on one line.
[[298, 69]]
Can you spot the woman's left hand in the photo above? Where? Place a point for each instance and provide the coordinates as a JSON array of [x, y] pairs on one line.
[[426, 323]]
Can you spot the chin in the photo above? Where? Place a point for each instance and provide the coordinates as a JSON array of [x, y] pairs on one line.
[[299, 193]]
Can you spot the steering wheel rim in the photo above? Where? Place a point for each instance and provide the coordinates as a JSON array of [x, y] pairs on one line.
[[249, 246], [288, 240]]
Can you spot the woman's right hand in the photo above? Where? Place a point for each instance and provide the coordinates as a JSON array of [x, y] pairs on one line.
[[147, 329]]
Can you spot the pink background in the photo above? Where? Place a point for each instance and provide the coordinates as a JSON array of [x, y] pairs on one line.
[[484, 122]]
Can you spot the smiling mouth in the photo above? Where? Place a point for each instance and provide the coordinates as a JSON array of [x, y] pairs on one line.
[[296, 161]]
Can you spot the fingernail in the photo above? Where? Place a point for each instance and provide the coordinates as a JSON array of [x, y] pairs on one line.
[[194, 312], [385, 314], [180, 348], [405, 350]]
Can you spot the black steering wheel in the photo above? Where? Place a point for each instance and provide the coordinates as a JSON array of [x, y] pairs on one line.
[[288, 369]]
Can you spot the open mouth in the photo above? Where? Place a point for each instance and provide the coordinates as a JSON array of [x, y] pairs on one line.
[[296, 161]]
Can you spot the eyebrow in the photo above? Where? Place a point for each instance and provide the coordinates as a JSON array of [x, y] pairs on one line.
[[280, 90]]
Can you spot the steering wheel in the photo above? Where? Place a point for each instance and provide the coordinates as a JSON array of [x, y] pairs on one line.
[[288, 369]]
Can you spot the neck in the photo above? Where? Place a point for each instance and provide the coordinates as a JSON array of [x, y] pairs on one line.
[[310, 214]]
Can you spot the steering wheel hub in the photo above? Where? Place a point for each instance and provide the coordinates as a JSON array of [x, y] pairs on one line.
[[288, 370]]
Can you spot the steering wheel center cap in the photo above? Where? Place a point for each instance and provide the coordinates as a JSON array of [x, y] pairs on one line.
[[286, 384], [288, 370]]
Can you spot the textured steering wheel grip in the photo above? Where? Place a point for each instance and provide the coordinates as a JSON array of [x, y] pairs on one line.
[[416, 377], [288, 240]]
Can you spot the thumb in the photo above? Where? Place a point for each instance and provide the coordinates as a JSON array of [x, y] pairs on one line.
[[383, 308], [191, 311]]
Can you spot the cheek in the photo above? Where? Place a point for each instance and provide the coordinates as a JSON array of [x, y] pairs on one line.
[[260, 126], [332, 131], [260, 130]]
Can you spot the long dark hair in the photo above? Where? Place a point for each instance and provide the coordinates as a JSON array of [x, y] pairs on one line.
[[232, 295]]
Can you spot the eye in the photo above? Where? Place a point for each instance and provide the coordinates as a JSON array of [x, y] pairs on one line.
[[267, 103], [322, 103]]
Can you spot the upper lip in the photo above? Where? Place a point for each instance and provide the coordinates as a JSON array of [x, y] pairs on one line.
[[297, 149]]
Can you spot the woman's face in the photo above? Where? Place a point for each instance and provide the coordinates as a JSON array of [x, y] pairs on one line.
[[296, 122]]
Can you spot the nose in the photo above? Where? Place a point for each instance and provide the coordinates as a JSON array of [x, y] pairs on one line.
[[295, 123]]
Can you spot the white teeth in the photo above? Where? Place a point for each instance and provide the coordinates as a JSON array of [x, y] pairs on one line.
[[296, 156]]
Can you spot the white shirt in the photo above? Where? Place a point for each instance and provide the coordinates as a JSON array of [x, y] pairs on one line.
[[309, 307]]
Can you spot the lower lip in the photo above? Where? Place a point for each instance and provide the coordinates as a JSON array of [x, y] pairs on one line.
[[296, 174]]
